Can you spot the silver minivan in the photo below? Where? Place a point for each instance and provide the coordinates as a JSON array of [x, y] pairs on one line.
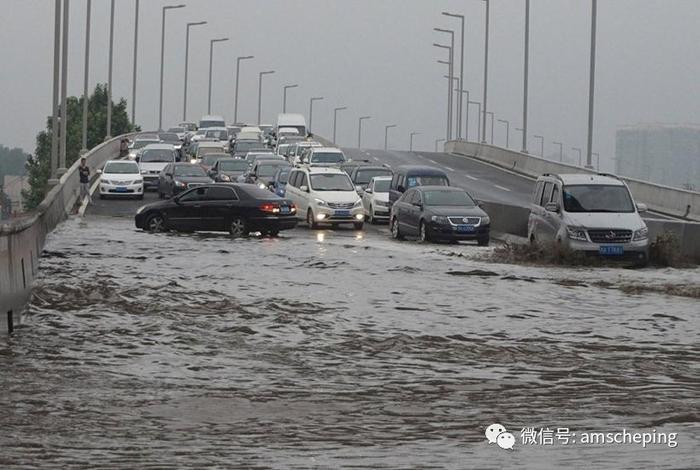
[[592, 213]]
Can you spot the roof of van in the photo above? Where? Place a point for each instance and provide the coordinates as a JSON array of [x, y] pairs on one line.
[[212, 117], [286, 119], [582, 178], [428, 170]]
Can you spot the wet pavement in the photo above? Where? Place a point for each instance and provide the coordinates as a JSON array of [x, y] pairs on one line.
[[336, 349]]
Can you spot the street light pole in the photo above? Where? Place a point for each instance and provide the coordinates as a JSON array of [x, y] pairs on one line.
[[579, 154], [260, 77], [109, 70], [238, 73], [311, 110], [187, 61], [486, 68], [449, 92], [561, 150], [284, 98], [162, 61], [437, 143], [64, 89], [335, 120], [359, 130], [460, 102], [479, 126], [591, 86], [88, 10], [54, 104], [466, 116], [386, 135], [541, 144], [211, 66], [410, 148], [136, 49], [526, 73], [507, 123], [451, 73], [492, 119]]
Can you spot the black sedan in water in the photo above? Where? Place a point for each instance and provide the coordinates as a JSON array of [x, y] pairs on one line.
[[177, 177], [434, 213], [236, 208]]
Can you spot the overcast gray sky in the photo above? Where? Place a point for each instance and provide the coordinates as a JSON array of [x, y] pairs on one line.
[[374, 56]]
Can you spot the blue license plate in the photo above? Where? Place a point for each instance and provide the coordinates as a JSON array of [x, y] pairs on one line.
[[342, 213], [121, 189], [284, 210], [465, 228], [611, 250]]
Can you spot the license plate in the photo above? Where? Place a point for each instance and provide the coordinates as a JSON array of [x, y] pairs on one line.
[[284, 210], [614, 250], [121, 189], [342, 213], [465, 228]]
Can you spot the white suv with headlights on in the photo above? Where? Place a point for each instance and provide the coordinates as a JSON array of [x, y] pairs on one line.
[[325, 195], [591, 213]]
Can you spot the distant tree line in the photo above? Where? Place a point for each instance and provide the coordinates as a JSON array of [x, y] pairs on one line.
[[39, 165], [12, 161]]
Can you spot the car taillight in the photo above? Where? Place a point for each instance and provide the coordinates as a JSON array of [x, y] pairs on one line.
[[270, 208]]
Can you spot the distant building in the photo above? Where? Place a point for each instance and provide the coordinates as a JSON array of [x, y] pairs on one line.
[[661, 153]]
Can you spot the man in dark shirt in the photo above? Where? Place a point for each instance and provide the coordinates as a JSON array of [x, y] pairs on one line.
[[84, 172]]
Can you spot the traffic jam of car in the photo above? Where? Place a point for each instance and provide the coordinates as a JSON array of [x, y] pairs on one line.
[[263, 179]]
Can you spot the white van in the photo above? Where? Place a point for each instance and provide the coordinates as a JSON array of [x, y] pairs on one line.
[[590, 213], [211, 121], [294, 121]]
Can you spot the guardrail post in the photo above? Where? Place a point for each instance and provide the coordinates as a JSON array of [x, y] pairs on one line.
[[10, 323]]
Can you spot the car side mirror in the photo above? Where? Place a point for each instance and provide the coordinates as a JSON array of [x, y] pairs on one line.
[[552, 207], [168, 174], [304, 189], [369, 191], [641, 207], [401, 189], [177, 201], [99, 172]]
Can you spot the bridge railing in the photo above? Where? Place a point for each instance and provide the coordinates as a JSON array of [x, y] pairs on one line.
[[662, 199], [22, 241]]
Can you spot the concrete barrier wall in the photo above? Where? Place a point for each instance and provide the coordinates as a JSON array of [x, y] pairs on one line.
[[662, 199], [22, 241]]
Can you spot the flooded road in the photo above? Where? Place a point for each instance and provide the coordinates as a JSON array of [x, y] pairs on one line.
[[336, 349]]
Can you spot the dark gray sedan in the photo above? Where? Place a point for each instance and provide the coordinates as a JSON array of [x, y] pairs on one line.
[[177, 177]]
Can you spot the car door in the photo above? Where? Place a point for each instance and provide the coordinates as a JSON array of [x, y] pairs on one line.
[[413, 212], [367, 196], [304, 196], [292, 190], [546, 230], [187, 213], [222, 204], [401, 210]]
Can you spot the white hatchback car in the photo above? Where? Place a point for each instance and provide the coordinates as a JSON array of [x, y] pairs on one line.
[[121, 178], [325, 195], [590, 213], [375, 199]]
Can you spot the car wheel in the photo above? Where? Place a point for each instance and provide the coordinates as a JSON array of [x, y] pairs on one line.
[[155, 223], [238, 227], [483, 241], [311, 220], [395, 231], [274, 233], [161, 195], [424, 235], [358, 225]]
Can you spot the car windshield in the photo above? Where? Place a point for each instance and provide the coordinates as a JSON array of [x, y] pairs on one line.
[[269, 169], [382, 186], [207, 150], [206, 124], [139, 144], [157, 155], [211, 158], [597, 198], [364, 176], [243, 146], [221, 135], [425, 180], [121, 168], [447, 198], [169, 137], [176, 129], [327, 157], [189, 170], [233, 165], [331, 182], [283, 176]]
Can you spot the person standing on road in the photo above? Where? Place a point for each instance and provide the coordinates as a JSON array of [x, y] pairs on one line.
[[84, 172], [124, 147]]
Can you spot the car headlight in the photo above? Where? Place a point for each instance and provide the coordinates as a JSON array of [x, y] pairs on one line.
[[144, 172], [225, 178], [262, 186], [576, 233], [180, 184], [641, 234], [193, 160], [485, 220], [357, 204], [440, 219], [320, 202]]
